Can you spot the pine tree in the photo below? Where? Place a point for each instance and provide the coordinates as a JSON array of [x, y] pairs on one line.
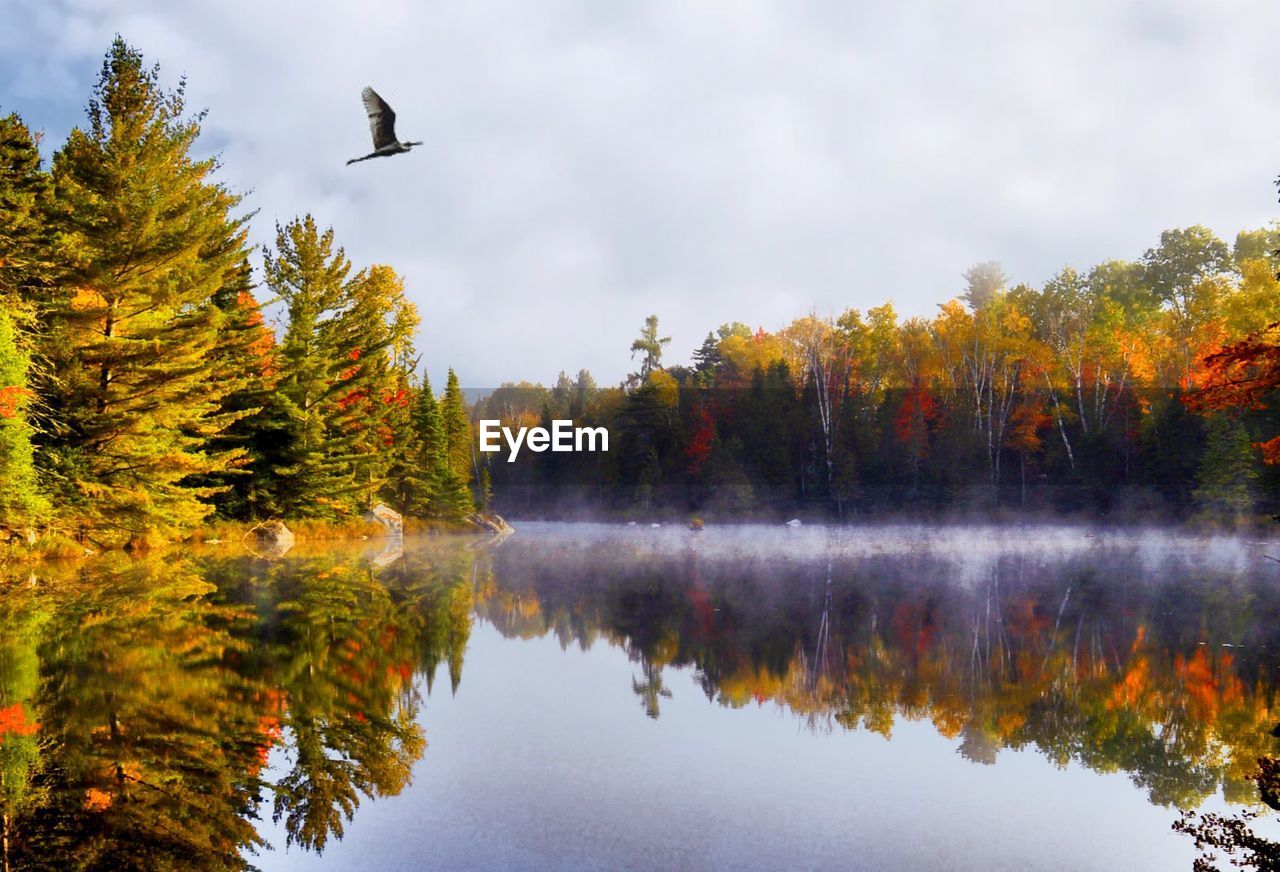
[[245, 358], [453, 497], [146, 239], [25, 238], [375, 333], [707, 358], [403, 479], [649, 346], [311, 465], [444, 493], [401, 444], [457, 428], [1228, 475], [431, 452], [25, 266], [21, 501]]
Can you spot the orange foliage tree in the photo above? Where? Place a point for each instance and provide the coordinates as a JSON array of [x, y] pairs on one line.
[[1243, 376]]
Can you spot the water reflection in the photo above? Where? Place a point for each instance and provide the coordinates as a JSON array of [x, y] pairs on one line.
[[1165, 670], [140, 700]]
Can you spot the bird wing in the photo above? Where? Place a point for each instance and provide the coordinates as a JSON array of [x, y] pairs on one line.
[[382, 121]]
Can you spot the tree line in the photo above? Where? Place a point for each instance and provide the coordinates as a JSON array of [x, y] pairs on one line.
[[141, 390], [1133, 388]]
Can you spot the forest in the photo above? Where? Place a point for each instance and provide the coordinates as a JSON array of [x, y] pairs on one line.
[[1133, 390], [143, 392]]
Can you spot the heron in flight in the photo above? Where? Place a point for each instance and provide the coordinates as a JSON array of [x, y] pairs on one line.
[[382, 124]]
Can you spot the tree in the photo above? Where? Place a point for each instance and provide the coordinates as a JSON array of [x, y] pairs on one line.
[[25, 237], [1253, 245], [25, 268], [1227, 478], [649, 346], [22, 502], [1184, 258], [432, 451], [321, 374], [400, 443], [1184, 273], [983, 283], [442, 492], [825, 357], [1028, 419], [374, 337], [457, 428], [246, 358], [1242, 376], [707, 358], [146, 239]]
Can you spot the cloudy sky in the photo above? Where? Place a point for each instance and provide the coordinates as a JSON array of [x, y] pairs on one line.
[[590, 162]]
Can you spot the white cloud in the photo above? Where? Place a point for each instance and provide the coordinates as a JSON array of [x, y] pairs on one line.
[[590, 163]]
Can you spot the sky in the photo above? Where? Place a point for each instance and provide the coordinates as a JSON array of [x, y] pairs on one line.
[[588, 163]]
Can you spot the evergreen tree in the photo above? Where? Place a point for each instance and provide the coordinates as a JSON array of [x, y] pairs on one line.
[[403, 477], [145, 241], [707, 358], [376, 333], [401, 441], [457, 428], [311, 467], [25, 265], [453, 497], [443, 492], [246, 358], [25, 238], [984, 282], [585, 390], [1228, 474], [21, 502], [649, 345], [428, 431]]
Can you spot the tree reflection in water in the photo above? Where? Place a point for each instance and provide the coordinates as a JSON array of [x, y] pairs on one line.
[[140, 700]]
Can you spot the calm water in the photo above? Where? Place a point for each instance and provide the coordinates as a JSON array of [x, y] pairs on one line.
[[586, 697]]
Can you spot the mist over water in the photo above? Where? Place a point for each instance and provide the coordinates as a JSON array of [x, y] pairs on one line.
[[970, 546]]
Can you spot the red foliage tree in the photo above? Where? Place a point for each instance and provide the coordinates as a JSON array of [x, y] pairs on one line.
[[1241, 376]]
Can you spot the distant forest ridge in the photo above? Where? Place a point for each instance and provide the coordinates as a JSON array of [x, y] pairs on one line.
[[1134, 389]]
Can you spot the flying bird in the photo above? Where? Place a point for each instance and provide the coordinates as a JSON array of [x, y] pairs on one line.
[[382, 124]]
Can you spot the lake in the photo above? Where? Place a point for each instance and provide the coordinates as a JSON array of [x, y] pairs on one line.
[[593, 696]]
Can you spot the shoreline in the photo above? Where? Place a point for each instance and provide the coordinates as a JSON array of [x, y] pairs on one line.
[[61, 548]]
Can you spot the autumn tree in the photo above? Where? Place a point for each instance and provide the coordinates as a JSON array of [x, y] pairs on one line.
[[1242, 376], [1184, 273], [323, 381], [374, 337], [246, 358], [22, 501], [146, 239]]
